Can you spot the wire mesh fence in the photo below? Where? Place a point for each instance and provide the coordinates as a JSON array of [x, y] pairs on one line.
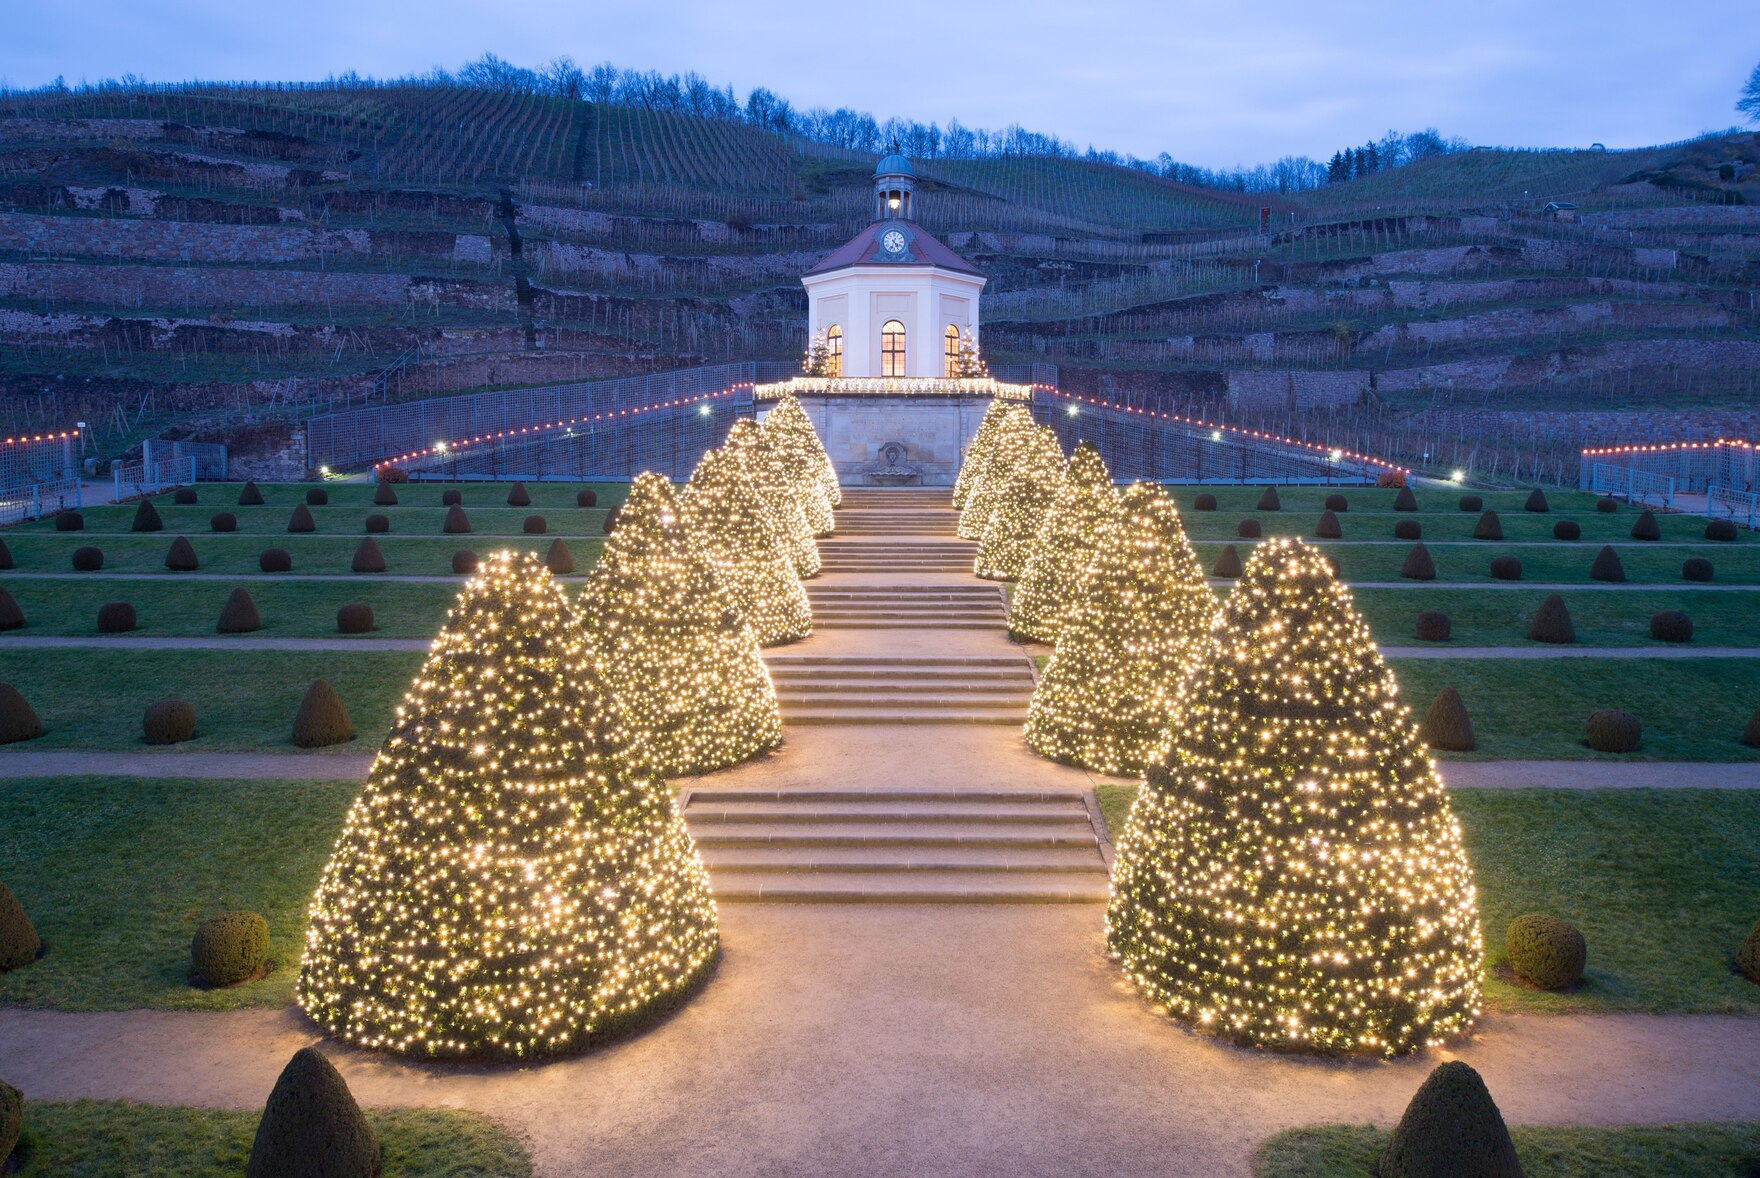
[[1686, 467], [149, 477], [38, 473]]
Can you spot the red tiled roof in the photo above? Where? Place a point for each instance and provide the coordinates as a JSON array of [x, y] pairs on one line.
[[864, 247]]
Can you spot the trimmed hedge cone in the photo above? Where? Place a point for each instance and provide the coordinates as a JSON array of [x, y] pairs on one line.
[[457, 522], [1446, 725], [384, 495], [1611, 730], [1328, 528], [168, 721], [239, 615], [1228, 564], [518, 496], [608, 525], [1545, 951], [5, 556], [11, 613], [275, 560], [1552, 622], [322, 719], [230, 948], [1607, 566], [1451, 1129], [1646, 527], [11, 1120], [1537, 501], [116, 617], [1671, 625], [354, 618], [19, 943], [1405, 500], [250, 496], [312, 1127], [1269, 501], [1489, 527], [1417, 566], [181, 556], [368, 558], [146, 518], [1748, 955], [301, 520], [18, 720], [559, 560], [1751, 730]]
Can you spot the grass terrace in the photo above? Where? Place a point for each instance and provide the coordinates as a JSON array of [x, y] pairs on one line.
[[1546, 1151]]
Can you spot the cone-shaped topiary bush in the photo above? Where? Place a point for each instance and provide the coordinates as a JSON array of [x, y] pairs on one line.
[[514, 881], [378, 524], [1407, 529], [1506, 568], [724, 511], [1607, 566], [181, 556], [451, 497], [1064, 548], [799, 441], [1328, 528], [457, 522], [1446, 725], [1204, 502], [1611, 730], [1291, 874], [1721, 530], [1034, 483], [223, 521], [1451, 1129], [146, 518], [69, 521], [534, 525], [354, 618], [978, 453], [368, 558], [1696, 568], [19, 943], [1489, 527], [1249, 529], [1433, 626], [230, 948], [5, 556], [1471, 503], [250, 496], [518, 496], [776, 494], [1646, 528], [168, 721], [384, 495], [275, 560], [1671, 625], [117, 617], [1418, 566], [681, 663], [1536, 501], [1567, 529], [1405, 500], [1545, 951], [317, 496], [18, 720], [1552, 622], [586, 498], [184, 496], [1337, 502], [1139, 624], [1012, 434], [559, 559], [609, 524], [1269, 501], [312, 1127], [464, 561], [301, 520], [11, 1119], [1748, 955], [1607, 504], [1751, 730], [239, 615], [322, 719], [1228, 563], [87, 559], [11, 613]]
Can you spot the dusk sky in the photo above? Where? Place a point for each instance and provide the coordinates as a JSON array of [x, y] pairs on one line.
[[1210, 83]]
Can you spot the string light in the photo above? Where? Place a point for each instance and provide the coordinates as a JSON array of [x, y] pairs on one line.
[[1013, 436], [682, 664], [1670, 447], [723, 506], [787, 436], [1291, 874], [514, 880], [1140, 622], [1064, 548], [796, 436], [982, 443], [1033, 483], [781, 499], [894, 386]]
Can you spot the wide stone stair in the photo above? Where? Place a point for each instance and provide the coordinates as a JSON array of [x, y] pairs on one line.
[[902, 689], [899, 846], [879, 554], [916, 607]]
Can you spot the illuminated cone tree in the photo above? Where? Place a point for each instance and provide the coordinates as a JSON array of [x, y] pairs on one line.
[[514, 881], [795, 428], [1140, 623], [1014, 437], [1032, 488], [982, 443], [1064, 548], [681, 663], [779, 496], [800, 467], [1291, 874], [725, 511]]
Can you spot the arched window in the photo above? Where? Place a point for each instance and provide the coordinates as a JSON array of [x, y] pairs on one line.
[[951, 338], [834, 349], [892, 348]]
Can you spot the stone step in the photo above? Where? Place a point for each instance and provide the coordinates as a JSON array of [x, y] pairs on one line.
[[868, 813], [797, 706], [831, 693], [897, 624], [903, 794], [926, 887], [858, 674], [865, 681], [966, 860], [928, 620], [955, 662], [919, 713], [881, 834]]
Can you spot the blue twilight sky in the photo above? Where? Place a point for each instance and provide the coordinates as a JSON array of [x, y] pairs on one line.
[[1210, 82]]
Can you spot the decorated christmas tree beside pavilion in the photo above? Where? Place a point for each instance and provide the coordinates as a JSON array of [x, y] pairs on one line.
[[1013, 439], [796, 436], [1033, 485], [779, 496], [724, 509], [976, 454], [1064, 548], [1291, 874]]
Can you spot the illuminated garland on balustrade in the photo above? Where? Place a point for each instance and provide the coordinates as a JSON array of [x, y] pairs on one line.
[[982, 443], [1033, 486], [724, 508], [792, 422], [1014, 435], [1140, 623], [514, 880], [1292, 874], [780, 498], [798, 455], [677, 657], [1064, 548]]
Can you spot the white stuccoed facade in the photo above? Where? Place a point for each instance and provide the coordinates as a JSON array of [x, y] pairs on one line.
[[860, 299]]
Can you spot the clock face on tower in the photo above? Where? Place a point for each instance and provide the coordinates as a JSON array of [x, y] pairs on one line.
[[893, 243]]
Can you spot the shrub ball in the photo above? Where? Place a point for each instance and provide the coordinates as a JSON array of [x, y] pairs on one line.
[[1417, 565], [239, 615], [1434, 626], [116, 617], [168, 721], [586, 498], [146, 518], [610, 524], [1472, 503], [69, 521], [1269, 501], [354, 618], [1407, 529], [1328, 528], [384, 495], [312, 1126], [1248, 529], [321, 720], [1228, 565], [1489, 527], [1607, 566], [301, 520], [230, 948], [451, 497], [1545, 951], [534, 525], [1751, 730], [1451, 1129], [464, 562], [181, 556], [317, 496], [11, 613], [1552, 622], [1446, 725], [1721, 530], [1748, 955], [377, 524], [1607, 505], [559, 560], [1204, 502], [518, 496], [1405, 500], [18, 720], [11, 1119], [457, 522], [1337, 502], [368, 558], [1506, 568], [184, 496], [19, 943], [1567, 529], [1611, 730], [1696, 568], [87, 559], [223, 521], [1536, 501], [1671, 625], [5, 556], [250, 496], [1646, 527], [275, 560]]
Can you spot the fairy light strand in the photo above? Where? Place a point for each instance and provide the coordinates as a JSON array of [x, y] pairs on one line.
[[1064, 548]]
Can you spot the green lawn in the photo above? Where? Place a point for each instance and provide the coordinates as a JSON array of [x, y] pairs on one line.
[[1645, 564], [1243, 500], [405, 555], [1447, 525], [1663, 883], [1572, 1151], [102, 1138], [1500, 617]]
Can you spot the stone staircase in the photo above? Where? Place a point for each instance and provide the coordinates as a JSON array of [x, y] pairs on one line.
[[902, 689], [897, 512], [917, 607], [901, 846], [945, 554]]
